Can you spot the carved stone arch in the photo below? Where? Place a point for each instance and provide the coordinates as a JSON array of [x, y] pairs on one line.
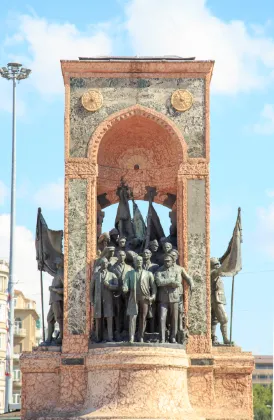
[[144, 112]]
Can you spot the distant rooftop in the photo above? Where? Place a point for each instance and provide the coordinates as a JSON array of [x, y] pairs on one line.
[[138, 58]]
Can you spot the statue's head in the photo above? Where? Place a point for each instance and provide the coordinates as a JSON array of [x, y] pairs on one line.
[[214, 263], [174, 254], [122, 242], [138, 262], [104, 263], [121, 256], [111, 250], [168, 261], [135, 242], [104, 239], [147, 254], [114, 235], [154, 245], [167, 247]]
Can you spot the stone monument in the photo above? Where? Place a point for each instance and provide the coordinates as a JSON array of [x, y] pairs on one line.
[[137, 129]]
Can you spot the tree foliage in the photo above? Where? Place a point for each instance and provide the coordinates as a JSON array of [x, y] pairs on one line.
[[262, 402]]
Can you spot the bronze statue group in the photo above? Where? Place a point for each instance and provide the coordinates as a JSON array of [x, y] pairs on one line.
[[128, 289], [136, 282]]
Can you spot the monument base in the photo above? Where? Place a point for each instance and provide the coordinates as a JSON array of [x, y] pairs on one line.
[[137, 382]]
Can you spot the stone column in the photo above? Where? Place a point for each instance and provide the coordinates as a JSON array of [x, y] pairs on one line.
[[80, 250], [193, 246]]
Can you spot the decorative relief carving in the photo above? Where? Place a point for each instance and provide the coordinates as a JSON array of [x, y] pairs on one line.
[[79, 167], [92, 100], [136, 110], [181, 100], [194, 167], [201, 387], [198, 344]]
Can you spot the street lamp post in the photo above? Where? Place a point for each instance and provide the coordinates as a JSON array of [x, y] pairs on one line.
[[14, 72]]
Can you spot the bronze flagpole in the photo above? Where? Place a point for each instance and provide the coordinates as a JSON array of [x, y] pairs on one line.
[[233, 279], [231, 309], [41, 272]]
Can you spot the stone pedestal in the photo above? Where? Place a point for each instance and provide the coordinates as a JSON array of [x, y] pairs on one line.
[[137, 382], [129, 382]]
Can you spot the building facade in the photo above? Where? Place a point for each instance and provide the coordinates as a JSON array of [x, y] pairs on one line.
[[263, 373], [26, 336], [4, 275]]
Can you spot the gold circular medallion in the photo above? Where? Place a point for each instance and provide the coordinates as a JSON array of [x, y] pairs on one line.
[[92, 100], [181, 100]]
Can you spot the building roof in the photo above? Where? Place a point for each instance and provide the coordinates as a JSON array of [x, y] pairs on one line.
[[138, 58], [18, 292], [263, 359]]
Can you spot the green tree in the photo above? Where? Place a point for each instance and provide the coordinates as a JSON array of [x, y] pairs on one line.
[[262, 402]]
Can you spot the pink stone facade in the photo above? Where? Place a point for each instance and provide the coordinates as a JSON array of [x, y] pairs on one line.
[[133, 382]]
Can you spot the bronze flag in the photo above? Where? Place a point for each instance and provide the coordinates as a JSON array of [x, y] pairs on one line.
[[48, 245], [231, 261], [139, 225], [156, 230]]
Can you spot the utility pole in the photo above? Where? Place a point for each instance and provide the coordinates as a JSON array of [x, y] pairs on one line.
[[14, 72]]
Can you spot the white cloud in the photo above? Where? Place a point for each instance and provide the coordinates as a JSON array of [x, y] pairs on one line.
[[51, 196], [270, 193], [48, 43], [265, 229], [265, 125], [244, 60], [3, 193], [26, 275]]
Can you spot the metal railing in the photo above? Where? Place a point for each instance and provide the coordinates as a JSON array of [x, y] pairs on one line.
[[20, 332]]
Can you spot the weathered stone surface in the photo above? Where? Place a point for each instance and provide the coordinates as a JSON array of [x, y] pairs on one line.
[[197, 254], [76, 306], [139, 382], [119, 93]]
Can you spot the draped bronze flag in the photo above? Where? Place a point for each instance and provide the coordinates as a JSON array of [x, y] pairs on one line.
[[48, 245], [231, 261]]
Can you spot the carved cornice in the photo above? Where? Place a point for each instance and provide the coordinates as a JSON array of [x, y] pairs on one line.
[[82, 167], [76, 68]]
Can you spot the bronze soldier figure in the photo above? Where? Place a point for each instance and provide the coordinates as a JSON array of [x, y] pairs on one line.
[[184, 276], [122, 245], [142, 292], [218, 302], [147, 264], [103, 241], [114, 236], [167, 248], [103, 284], [110, 256], [168, 281], [153, 309], [56, 302], [120, 269]]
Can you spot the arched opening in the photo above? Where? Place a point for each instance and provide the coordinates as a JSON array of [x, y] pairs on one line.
[[141, 146]]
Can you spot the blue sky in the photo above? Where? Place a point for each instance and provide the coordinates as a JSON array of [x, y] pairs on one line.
[[238, 35]]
